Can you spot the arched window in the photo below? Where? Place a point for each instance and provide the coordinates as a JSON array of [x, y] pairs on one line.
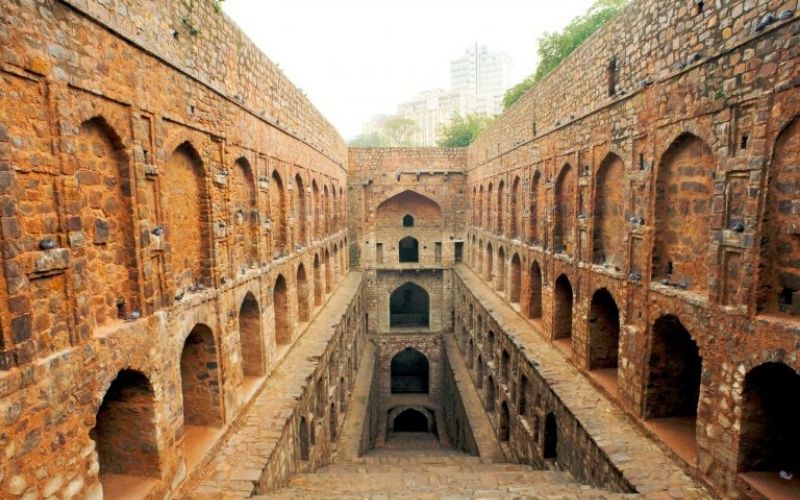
[[409, 249], [408, 221], [409, 372], [409, 307]]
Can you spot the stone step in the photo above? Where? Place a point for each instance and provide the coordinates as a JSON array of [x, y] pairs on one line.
[[411, 468]]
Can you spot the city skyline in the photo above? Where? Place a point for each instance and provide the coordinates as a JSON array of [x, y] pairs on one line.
[[367, 57]]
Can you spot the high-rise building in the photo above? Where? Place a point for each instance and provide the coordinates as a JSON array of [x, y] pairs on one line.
[[484, 76], [433, 109]]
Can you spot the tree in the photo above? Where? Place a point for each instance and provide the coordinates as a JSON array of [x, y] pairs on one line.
[[555, 47], [372, 140], [399, 131], [463, 130]]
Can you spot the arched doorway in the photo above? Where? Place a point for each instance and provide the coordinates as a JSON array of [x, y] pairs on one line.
[[200, 380], [604, 339], [410, 420], [515, 282], [550, 441], [673, 386], [409, 307], [303, 307], [770, 436], [125, 432], [409, 372], [280, 312], [250, 337], [562, 320], [408, 249], [505, 424], [535, 292]]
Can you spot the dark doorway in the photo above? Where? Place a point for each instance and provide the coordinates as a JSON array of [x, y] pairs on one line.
[[550, 450], [410, 421], [770, 436], [409, 372], [408, 221], [409, 249], [409, 307]]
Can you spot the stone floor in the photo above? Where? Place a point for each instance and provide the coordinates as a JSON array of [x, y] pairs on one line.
[[387, 474]]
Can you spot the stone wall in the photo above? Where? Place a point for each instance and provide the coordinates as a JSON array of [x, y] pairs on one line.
[[653, 219], [519, 401], [151, 163]]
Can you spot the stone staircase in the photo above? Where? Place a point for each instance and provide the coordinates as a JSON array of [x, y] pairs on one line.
[[417, 467], [410, 476]]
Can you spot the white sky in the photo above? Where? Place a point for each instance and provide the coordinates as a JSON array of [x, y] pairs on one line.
[[358, 58]]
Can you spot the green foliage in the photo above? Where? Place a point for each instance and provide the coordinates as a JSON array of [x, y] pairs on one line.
[[397, 132], [463, 130], [555, 47], [373, 140]]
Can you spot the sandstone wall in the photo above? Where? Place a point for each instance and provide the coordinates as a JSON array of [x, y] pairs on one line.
[[173, 218], [671, 193]]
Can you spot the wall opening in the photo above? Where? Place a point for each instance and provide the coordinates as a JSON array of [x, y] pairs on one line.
[[303, 307], [779, 283], [408, 249], [200, 380], [534, 205], [516, 213], [409, 307], [277, 199], [564, 211], [305, 440], [125, 430], [550, 445], [489, 263], [524, 388], [562, 320], [333, 421], [673, 386], [459, 251], [318, 286], [501, 193], [501, 270], [770, 426], [505, 424], [684, 189], [301, 209], [250, 337], [437, 254], [408, 221], [379, 253], [609, 234], [505, 363], [280, 312], [603, 332], [535, 291], [409, 372], [490, 394], [411, 420], [515, 281]]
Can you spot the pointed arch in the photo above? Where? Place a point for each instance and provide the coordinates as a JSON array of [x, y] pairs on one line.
[[516, 213], [684, 190], [564, 212], [125, 435], [303, 302], [250, 337], [515, 281], [245, 213], [609, 223], [277, 199], [200, 379], [280, 312], [534, 208], [501, 270], [104, 185], [409, 306], [301, 209], [409, 372], [779, 278], [501, 193], [535, 291]]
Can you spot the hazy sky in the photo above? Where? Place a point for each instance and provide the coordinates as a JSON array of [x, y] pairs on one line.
[[357, 58]]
